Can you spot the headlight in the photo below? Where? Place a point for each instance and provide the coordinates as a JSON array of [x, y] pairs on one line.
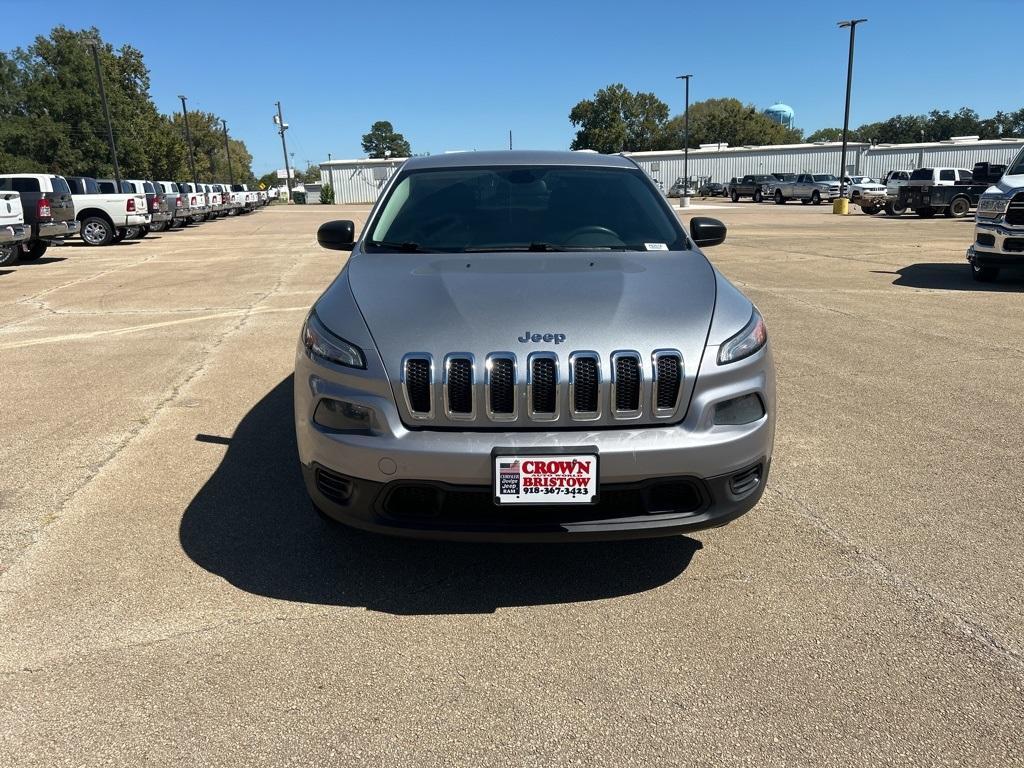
[[993, 205], [745, 343], [323, 344]]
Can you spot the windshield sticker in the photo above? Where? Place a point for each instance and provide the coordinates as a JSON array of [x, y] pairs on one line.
[[656, 246]]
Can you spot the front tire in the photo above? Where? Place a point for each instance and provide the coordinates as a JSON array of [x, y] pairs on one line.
[[96, 231], [758, 197], [779, 199], [984, 274], [895, 208], [815, 198], [870, 210], [958, 208], [734, 196]]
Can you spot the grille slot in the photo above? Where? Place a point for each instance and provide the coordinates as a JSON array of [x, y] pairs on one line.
[[745, 481], [501, 386], [417, 372], [459, 385], [543, 385], [585, 384], [1015, 211], [626, 381], [668, 378], [335, 487]]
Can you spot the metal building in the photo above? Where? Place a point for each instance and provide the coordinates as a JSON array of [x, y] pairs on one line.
[[358, 181], [721, 162]]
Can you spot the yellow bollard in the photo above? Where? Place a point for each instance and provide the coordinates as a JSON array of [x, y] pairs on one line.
[[841, 207]]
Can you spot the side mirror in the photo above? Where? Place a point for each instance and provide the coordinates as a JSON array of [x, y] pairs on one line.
[[337, 235], [706, 232]]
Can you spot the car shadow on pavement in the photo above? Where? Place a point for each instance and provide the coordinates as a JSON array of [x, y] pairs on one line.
[[42, 260], [953, 277], [252, 524]]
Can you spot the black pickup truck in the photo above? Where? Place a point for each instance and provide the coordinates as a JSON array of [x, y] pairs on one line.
[[955, 201], [748, 186]]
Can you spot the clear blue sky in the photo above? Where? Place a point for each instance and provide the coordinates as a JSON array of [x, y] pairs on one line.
[[460, 74]]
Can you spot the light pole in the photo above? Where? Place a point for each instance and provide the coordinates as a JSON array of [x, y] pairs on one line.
[[227, 151], [188, 139], [282, 126], [93, 44], [684, 200], [852, 24]]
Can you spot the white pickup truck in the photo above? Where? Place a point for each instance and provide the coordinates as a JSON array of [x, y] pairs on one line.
[[249, 199], [807, 188], [156, 204], [999, 225], [13, 231], [105, 214], [199, 206]]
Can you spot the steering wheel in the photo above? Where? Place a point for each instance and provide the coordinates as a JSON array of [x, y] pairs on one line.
[[592, 229]]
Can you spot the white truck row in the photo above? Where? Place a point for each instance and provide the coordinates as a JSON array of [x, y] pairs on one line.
[[39, 209]]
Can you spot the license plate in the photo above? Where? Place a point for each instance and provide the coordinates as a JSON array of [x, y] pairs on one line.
[[545, 478]]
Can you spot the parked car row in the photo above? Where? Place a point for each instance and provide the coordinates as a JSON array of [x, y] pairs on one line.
[[38, 209]]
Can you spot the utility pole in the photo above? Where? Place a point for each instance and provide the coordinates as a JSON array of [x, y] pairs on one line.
[[852, 24], [684, 201], [93, 44], [282, 126], [227, 151], [510, 141], [188, 139]]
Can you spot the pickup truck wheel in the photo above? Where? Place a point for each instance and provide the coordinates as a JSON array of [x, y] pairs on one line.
[[894, 208], [158, 226], [9, 254], [96, 231], [758, 197], [870, 210], [984, 274], [34, 251], [118, 236], [734, 196], [131, 233], [926, 212], [815, 198], [779, 199], [958, 208]]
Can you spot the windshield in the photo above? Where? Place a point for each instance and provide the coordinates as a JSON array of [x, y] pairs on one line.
[[1017, 166], [524, 208], [148, 186], [824, 177], [60, 185]]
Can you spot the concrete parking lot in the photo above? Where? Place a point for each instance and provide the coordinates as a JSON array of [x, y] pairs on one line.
[[168, 597]]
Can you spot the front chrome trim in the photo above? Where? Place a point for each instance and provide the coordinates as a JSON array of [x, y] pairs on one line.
[[665, 413], [584, 415], [418, 415], [613, 374], [542, 415], [515, 387], [448, 412]]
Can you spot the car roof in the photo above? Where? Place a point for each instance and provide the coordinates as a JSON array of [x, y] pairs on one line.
[[518, 157]]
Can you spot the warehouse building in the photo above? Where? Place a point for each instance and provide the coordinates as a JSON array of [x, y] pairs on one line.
[[360, 181]]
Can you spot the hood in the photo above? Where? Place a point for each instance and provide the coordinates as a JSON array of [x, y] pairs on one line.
[[1008, 185], [482, 303]]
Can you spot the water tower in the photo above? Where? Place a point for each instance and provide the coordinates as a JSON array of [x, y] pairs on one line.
[[781, 113]]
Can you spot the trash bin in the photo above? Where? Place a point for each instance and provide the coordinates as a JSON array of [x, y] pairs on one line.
[[841, 206]]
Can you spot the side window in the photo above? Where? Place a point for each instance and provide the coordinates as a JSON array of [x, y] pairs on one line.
[[965, 175], [20, 185], [947, 174]]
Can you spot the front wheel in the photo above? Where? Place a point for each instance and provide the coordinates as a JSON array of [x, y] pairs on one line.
[[870, 210], [926, 212], [779, 199], [758, 197], [959, 208], [734, 196], [895, 208], [815, 198], [984, 274]]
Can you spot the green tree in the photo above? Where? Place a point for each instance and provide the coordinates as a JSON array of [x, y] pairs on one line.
[[729, 121], [383, 138], [618, 120], [327, 194], [826, 134]]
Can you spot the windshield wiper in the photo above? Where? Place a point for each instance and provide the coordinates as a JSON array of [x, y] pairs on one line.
[[407, 247]]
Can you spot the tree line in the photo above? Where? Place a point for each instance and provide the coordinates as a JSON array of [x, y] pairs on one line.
[[53, 119], [619, 120]]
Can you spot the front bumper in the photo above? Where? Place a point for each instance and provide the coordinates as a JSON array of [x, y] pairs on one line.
[[695, 453], [863, 198], [137, 219], [15, 233], [996, 245], [56, 230]]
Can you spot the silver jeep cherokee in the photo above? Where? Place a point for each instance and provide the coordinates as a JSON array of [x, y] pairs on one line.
[[527, 346]]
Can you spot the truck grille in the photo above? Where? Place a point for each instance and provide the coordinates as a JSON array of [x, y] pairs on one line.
[[1015, 211], [547, 388]]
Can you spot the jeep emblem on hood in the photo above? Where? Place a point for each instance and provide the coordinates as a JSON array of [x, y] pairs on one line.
[[558, 338]]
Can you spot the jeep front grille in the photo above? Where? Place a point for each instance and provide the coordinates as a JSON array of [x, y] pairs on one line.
[[546, 388]]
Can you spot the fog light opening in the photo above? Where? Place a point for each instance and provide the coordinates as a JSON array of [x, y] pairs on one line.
[[739, 410], [343, 416]]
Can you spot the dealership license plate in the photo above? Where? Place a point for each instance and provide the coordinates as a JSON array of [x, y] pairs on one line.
[[545, 478]]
